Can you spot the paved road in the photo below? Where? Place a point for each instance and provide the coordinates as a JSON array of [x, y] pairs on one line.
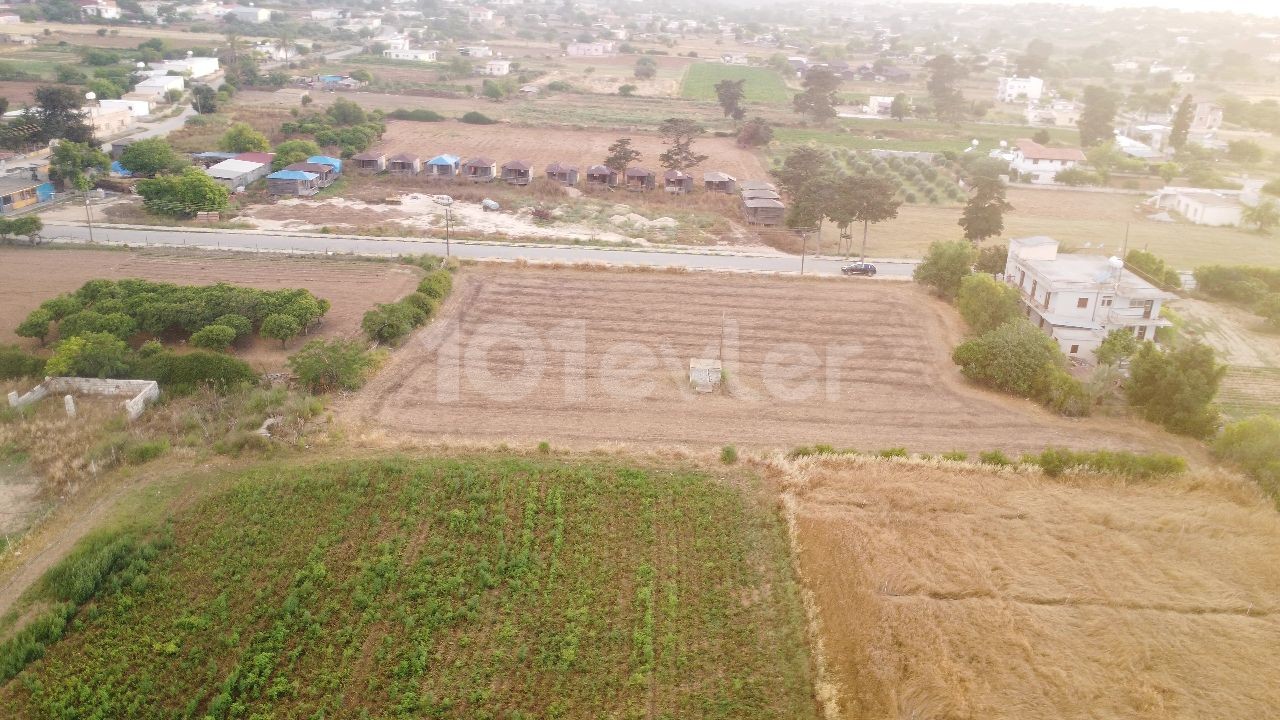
[[293, 242]]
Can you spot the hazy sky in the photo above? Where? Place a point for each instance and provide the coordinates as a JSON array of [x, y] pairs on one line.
[[1269, 8]]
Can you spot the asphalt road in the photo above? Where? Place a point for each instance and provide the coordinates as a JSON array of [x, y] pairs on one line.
[[287, 242]]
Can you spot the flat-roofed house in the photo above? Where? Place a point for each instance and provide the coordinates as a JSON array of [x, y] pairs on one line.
[[1204, 207], [18, 193], [235, 173]]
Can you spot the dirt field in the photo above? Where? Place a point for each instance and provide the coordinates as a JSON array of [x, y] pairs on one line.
[[29, 277], [543, 146], [964, 593], [20, 94], [613, 348]]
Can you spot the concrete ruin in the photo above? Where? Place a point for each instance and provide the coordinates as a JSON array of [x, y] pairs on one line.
[[705, 374], [137, 393]]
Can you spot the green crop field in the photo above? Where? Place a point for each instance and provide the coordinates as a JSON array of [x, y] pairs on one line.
[[763, 84], [443, 588]]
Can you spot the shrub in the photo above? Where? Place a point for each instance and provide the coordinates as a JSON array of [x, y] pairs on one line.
[[145, 451], [423, 302], [1154, 269], [417, 115], [1065, 395], [63, 305], [1269, 309], [955, 456], [992, 259], [322, 366], [475, 118], [994, 457], [1242, 284], [728, 454], [1076, 177], [1253, 445], [1175, 387], [544, 447], [16, 363], [437, 284], [985, 303], [90, 321], [92, 354], [893, 452], [182, 374], [1055, 461], [213, 337], [36, 325], [1116, 346], [1015, 357]]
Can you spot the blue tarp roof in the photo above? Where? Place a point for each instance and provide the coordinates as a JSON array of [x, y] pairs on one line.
[[119, 169], [443, 160], [326, 160], [292, 175]]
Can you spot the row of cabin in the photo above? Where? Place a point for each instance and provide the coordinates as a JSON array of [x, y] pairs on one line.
[[305, 178], [761, 204]]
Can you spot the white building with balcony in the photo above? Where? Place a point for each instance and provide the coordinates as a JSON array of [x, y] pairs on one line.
[[1079, 299]]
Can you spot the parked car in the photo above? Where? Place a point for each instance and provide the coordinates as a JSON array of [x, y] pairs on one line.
[[859, 268]]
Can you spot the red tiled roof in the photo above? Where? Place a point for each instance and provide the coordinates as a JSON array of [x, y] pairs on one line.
[[1033, 150]]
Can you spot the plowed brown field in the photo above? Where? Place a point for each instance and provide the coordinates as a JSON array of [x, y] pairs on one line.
[[543, 146], [584, 357], [975, 594], [28, 277]]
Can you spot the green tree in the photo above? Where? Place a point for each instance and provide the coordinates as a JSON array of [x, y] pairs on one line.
[[387, 323], [104, 89], [900, 108], [1042, 137], [183, 195], [1117, 346], [279, 326], [1253, 445], [1097, 119], [36, 325], [100, 355], [983, 215], [1016, 357], [1244, 151], [627, 90], [867, 199], [945, 266], [150, 157], [729, 93], [1168, 171], [205, 100], [213, 337], [57, 115], [293, 151], [1153, 269], [646, 68], [239, 323], [944, 75], [755, 132], [621, 155], [362, 75], [1181, 124], [678, 135], [1103, 158], [992, 259], [1264, 216], [1035, 61], [70, 161], [1175, 388], [322, 366], [818, 100], [807, 174], [241, 138], [986, 304]]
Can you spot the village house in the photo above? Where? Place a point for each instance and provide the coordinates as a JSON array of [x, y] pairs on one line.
[[719, 182], [496, 68], [480, 169], [479, 15], [638, 178], [109, 121], [517, 172], [404, 164], [369, 162], [880, 104], [563, 173], [1040, 165], [135, 107], [763, 211], [601, 176], [325, 174], [332, 162], [103, 9], [589, 49], [756, 185], [417, 55], [1079, 299], [18, 193], [1059, 113], [677, 182], [475, 51], [760, 194], [292, 182], [249, 14], [1203, 207], [236, 174], [1019, 89]]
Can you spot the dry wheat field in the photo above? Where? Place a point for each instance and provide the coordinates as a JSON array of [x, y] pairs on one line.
[[587, 357], [945, 591]]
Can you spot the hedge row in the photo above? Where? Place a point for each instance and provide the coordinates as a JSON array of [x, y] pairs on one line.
[[1053, 461], [392, 322]]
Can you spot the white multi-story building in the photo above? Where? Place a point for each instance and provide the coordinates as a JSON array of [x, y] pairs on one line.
[[496, 68], [1079, 299], [412, 54], [475, 51], [1019, 89], [105, 9], [250, 14]]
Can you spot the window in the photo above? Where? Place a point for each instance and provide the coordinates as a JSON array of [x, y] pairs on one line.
[[1142, 332], [1082, 302], [1106, 301], [1075, 349]]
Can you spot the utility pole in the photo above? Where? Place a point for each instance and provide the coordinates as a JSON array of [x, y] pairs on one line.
[[804, 241]]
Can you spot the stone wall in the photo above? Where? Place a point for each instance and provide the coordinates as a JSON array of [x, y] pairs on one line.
[[139, 393]]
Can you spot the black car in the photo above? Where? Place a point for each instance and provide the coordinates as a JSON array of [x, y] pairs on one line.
[[859, 268]]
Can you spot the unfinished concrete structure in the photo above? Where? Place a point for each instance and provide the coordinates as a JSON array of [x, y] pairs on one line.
[[138, 393]]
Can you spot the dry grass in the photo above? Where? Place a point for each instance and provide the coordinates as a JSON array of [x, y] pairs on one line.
[[945, 591]]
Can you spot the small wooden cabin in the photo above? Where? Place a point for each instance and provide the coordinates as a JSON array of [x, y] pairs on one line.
[[677, 182], [292, 182], [638, 178], [756, 185], [601, 176], [369, 162], [719, 182], [325, 174], [760, 195], [480, 169], [763, 211], [563, 173], [404, 164], [517, 172], [442, 166]]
